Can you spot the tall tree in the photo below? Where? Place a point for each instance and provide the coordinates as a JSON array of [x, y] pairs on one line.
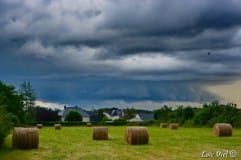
[[29, 96], [11, 109], [11, 101]]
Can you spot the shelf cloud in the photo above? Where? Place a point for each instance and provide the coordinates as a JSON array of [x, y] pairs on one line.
[[139, 50]]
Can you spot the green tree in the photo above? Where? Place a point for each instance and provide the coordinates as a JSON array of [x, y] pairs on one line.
[[7, 121], [29, 96], [10, 101], [129, 113], [184, 114], [163, 114], [73, 116], [100, 113]]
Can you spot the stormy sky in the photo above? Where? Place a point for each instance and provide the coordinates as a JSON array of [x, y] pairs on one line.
[[97, 52]]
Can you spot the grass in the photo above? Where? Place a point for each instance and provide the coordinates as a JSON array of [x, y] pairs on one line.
[[75, 143]]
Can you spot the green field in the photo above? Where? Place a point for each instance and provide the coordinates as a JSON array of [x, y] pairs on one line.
[[75, 143]]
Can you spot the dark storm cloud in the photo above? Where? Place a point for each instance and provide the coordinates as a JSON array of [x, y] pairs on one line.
[[135, 46], [175, 18], [129, 90]]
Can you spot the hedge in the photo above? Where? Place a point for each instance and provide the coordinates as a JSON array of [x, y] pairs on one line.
[[7, 121]]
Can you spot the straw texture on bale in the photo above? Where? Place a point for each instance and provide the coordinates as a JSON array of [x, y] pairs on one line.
[[136, 135], [39, 126], [89, 124], [222, 129], [173, 126], [57, 126], [25, 138], [163, 125], [100, 133]]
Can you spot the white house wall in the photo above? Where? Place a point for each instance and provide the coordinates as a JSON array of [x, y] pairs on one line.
[[138, 116], [107, 115], [86, 119], [115, 118], [111, 117], [135, 120]]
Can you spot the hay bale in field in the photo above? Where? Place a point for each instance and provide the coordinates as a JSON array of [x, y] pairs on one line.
[[136, 135], [163, 125], [100, 133], [173, 126], [222, 129], [39, 126], [25, 138], [89, 124], [57, 126]]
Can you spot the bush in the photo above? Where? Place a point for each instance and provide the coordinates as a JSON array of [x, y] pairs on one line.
[[73, 116], [6, 124], [119, 122]]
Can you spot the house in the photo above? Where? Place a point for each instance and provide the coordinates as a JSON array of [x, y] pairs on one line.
[[88, 116], [114, 114], [140, 117], [83, 113]]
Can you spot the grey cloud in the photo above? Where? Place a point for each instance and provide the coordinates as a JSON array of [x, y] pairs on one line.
[[140, 40], [174, 15]]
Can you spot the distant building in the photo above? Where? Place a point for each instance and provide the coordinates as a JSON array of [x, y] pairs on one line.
[[114, 114], [88, 116], [142, 117]]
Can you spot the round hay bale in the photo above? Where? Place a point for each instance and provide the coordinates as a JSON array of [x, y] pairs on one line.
[[89, 124], [25, 138], [136, 135], [173, 126], [222, 129], [100, 133], [163, 125], [57, 126], [39, 126]]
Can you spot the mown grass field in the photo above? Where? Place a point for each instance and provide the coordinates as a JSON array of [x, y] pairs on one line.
[[75, 143]]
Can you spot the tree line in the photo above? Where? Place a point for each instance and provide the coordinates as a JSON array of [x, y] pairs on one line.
[[205, 116]]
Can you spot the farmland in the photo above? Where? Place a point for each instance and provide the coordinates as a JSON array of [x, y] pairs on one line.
[[75, 143]]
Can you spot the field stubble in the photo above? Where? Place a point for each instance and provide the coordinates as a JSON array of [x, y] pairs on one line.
[[75, 143]]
